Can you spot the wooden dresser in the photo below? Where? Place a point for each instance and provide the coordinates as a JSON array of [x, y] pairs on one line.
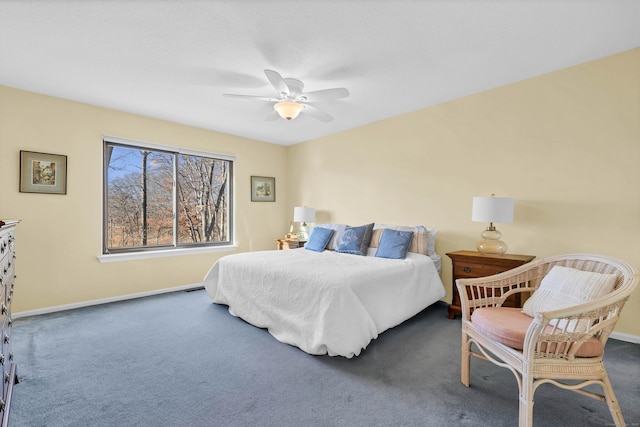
[[471, 264], [7, 280]]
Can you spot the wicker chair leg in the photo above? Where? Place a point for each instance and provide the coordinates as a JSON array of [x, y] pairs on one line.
[[525, 415], [465, 359], [612, 402]]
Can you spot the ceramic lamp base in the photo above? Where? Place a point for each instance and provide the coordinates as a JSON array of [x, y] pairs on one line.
[[491, 243], [303, 234]]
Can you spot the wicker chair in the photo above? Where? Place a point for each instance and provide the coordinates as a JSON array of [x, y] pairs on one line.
[[548, 354]]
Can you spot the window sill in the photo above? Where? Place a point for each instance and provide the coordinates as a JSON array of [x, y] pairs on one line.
[[164, 253]]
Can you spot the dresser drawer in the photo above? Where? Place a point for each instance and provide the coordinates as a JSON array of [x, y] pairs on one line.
[[7, 324], [5, 274], [7, 355], [5, 240]]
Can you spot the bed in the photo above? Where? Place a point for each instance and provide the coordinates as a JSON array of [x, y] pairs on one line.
[[328, 302]]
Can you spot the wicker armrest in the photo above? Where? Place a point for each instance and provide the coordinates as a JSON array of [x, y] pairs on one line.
[[492, 291], [559, 334]]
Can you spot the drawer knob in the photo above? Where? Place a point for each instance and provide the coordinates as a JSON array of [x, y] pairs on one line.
[[466, 269]]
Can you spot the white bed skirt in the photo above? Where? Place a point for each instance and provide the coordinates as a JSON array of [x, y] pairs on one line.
[[324, 302]]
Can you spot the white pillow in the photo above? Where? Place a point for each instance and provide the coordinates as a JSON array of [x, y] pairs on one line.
[[564, 287]]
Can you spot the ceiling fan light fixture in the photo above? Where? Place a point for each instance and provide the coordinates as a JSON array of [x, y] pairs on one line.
[[288, 110]]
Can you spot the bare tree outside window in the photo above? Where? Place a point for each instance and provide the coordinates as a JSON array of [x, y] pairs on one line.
[[202, 197], [143, 211]]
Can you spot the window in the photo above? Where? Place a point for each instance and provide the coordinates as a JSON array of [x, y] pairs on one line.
[[159, 197]]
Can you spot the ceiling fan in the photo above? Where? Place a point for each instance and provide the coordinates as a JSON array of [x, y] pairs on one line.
[[291, 100]]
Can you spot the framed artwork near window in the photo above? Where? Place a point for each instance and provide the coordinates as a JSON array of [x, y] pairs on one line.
[[263, 189], [43, 173]]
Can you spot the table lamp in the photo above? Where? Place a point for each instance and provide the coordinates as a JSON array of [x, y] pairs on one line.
[[303, 215], [492, 209]]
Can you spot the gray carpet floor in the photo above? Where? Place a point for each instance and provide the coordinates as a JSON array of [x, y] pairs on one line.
[[179, 360]]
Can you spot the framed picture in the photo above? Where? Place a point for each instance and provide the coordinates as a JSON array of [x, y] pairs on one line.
[[263, 189], [43, 173]]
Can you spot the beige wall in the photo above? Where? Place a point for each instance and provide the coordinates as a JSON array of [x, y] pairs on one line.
[[60, 236], [565, 145]]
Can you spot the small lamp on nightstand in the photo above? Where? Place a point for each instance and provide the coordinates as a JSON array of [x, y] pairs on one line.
[[303, 215], [492, 209]]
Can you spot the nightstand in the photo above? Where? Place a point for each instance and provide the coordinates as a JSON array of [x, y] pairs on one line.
[[471, 264], [285, 243]]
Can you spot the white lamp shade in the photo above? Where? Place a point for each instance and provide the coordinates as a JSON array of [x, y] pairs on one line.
[[304, 214], [492, 209]]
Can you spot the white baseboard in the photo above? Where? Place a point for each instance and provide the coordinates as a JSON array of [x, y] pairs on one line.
[[103, 301], [625, 337]]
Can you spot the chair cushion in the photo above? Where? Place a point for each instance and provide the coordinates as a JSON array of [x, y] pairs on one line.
[[508, 325]]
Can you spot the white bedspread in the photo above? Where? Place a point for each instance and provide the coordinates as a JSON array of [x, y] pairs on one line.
[[324, 302]]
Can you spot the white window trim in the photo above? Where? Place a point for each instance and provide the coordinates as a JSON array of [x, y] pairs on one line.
[[130, 256]]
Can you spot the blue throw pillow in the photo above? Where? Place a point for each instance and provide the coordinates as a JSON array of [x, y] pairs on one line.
[[394, 244], [319, 238], [355, 240]]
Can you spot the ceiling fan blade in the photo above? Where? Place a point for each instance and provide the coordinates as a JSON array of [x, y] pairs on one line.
[[295, 87], [325, 94], [277, 81], [316, 113], [263, 98]]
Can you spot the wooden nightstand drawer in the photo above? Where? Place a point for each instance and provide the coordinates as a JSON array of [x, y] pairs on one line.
[[471, 270], [282, 244]]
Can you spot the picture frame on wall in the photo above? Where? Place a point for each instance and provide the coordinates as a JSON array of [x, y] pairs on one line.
[[263, 189], [43, 173]]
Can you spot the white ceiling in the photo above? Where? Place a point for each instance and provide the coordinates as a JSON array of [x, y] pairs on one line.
[[173, 59]]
